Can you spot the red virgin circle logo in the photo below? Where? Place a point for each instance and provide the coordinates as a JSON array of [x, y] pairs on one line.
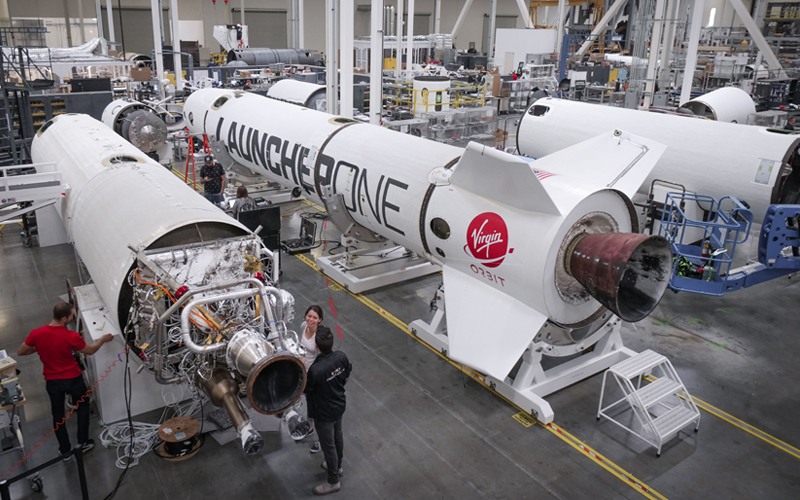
[[487, 239]]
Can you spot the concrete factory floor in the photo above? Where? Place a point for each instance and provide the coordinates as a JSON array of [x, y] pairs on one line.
[[416, 427]]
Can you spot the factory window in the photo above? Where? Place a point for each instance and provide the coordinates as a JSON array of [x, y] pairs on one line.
[[711, 15], [538, 110]]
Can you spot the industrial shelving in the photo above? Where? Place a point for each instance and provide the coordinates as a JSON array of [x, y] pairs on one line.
[[782, 19]]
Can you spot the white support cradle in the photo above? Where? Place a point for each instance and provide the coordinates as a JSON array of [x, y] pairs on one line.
[[532, 382], [369, 268]]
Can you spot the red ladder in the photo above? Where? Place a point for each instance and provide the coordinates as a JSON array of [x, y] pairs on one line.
[[190, 158]]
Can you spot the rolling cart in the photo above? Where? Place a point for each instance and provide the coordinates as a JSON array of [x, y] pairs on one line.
[[12, 419]]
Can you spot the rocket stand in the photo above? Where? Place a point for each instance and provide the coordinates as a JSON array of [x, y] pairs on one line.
[[532, 382], [373, 265], [375, 262], [259, 187]]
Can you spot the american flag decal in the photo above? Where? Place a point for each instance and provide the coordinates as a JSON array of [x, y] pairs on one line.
[[542, 175]]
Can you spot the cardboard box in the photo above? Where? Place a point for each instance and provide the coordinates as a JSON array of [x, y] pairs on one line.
[[141, 74], [8, 367], [497, 86]]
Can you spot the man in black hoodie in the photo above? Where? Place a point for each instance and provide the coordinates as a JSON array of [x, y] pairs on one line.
[[325, 392]]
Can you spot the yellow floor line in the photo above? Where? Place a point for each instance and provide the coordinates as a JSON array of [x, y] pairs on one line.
[[314, 205], [777, 443], [182, 176], [741, 424], [603, 462], [3, 225], [558, 431]]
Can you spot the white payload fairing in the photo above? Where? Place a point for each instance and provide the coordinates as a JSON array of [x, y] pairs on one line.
[[757, 165], [180, 280], [310, 95], [520, 243], [726, 104]]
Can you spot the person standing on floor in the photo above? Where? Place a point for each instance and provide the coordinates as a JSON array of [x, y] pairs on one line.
[[212, 175], [325, 392], [309, 328], [54, 344]]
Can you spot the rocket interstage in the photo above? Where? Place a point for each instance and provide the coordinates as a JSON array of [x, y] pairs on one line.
[[502, 227]]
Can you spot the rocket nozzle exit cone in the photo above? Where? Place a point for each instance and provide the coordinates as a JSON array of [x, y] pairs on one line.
[[627, 273]]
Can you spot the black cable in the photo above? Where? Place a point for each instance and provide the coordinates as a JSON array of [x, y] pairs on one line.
[[338, 243], [330, 252], [181, 448], [202, 416], [197, 442], [128, 393], [314, 215], [13, 413]]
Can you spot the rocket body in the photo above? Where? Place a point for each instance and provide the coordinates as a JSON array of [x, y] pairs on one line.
[[499, 225], [705, 156]]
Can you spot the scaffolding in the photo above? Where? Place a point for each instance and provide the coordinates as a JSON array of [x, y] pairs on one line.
[[19, 75]]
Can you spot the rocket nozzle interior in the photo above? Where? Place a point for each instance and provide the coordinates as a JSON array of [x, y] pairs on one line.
[[276, 383], [627, 273], [275, 380]]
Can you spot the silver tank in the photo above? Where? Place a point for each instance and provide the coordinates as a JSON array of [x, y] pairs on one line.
[[266, 56]]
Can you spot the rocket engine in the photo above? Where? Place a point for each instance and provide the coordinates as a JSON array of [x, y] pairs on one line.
[[137, 123]]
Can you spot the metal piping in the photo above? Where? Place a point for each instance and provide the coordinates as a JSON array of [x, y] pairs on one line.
[[158, 361], [186, 333]]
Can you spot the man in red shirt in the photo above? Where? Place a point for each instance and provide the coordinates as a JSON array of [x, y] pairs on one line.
[[54, 343]]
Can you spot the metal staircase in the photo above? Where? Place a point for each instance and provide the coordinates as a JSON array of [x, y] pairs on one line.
[[661, 407]]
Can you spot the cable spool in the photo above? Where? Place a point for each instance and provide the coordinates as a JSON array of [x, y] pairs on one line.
[[180, 439]]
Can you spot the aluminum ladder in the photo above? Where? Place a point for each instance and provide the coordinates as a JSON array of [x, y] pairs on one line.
[[661, 405]]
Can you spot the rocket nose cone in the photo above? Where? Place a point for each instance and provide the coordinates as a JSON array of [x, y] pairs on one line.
[[627, 273], [197, 105]]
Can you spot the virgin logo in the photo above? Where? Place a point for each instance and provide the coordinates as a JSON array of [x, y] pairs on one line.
[[487, 239]]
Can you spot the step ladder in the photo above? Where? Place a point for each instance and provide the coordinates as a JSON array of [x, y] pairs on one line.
[[661, 405]]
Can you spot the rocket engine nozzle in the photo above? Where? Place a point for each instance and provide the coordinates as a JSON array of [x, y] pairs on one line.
[[627, 273], [223, 391], [275, 380]]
